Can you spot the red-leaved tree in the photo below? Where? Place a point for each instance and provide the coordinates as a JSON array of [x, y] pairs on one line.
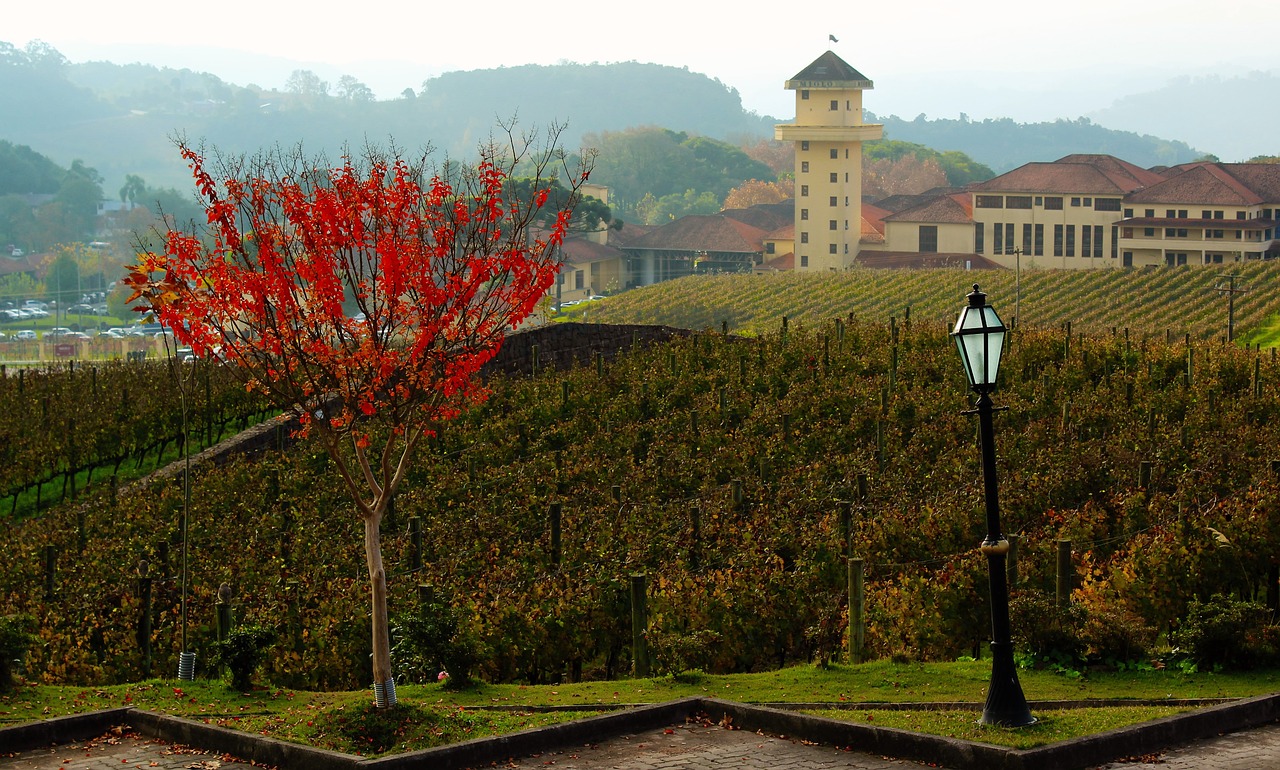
[[364, 298]]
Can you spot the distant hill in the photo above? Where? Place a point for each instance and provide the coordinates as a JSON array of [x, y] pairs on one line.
[[1004, 145], [1193, 108], [119, 118]]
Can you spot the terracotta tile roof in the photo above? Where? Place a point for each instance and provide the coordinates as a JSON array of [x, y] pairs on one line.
[[704, 233], [627, 234], [943, 210], [784, 233], [1262, 178], [578, 251], [874, 216], [779, 263], [831, 67], [1073, 175], [1213, 184], [912, 259], [870, 234], [766, 216]]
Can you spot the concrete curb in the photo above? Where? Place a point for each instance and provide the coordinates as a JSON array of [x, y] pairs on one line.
[[778, 719], [485, 751], [1144, 738], [255, 748], [59, 730]]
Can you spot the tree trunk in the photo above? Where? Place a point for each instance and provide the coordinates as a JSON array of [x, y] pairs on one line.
[[378, 594]]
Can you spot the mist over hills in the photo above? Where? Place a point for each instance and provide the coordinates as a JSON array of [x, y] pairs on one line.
[[120, 119]]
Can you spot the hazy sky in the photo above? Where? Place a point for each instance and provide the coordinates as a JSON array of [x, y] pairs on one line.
[[988, 58]]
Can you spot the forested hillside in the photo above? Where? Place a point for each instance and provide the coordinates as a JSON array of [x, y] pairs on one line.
[[119, 118]]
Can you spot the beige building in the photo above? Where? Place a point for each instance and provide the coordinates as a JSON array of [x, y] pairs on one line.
[[1057, 215], [828, 134], [1204, 213]]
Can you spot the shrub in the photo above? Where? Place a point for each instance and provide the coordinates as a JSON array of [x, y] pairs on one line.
[[428, 639], [242, 652], [1045, 633], [1225, 633], [676, 653], [17, 634]]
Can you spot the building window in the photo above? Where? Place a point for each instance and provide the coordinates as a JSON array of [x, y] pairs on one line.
[[835, 177], [804, 94], [928, 239], [577, 279], [1026, 239], [1128, 232], [1239, 215], [835, 154], [835, 104], [804, 237], [1171, 213], [804, 167], [1053, 203], [998, 231], [1039, 200], [1150, 213], [805, 145], [979, 237], [833, 225], [1018, 202], [769, 248], [1182, 213], [804, 260], [804, 191], [1075, 202], [1108, 204], [1128, 259], [835, 201], [989, 201], [1087, 202], [831, 248], [1114, 241], [1039, 240], [804, 214], [1218, 214], [1086, 241], [1128, 213], [1206, 214], [1057, 240], [1071, 240]]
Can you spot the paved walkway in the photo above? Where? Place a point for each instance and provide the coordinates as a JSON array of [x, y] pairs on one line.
[[120, 748], [1256, 749], [686, 747], [696, 747]]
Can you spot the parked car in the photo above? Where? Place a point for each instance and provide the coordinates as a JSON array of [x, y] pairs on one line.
[[56, 332], [77, 336], [25, 334]]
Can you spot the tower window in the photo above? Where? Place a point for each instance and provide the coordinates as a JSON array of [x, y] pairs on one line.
[[834, 177], [804, 260], [833, 225], [835, 201], [835, 104], [804, 145], [804, 166], [804, 214], [834, 153], [804, 190], [831, 248], [804, 93]]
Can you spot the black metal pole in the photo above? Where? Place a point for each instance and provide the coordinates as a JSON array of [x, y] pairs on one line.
[[1006, 706]]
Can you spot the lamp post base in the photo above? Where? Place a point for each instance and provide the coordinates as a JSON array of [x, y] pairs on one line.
[[1006, 705]]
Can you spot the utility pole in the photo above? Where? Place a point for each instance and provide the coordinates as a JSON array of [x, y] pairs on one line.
[[1231, 291]]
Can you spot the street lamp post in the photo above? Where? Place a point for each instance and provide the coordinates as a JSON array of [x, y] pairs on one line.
[[979, 336]]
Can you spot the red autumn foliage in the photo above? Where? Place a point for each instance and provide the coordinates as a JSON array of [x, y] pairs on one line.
[[364, 297]]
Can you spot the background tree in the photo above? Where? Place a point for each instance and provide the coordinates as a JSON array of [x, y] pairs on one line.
[[62, 281], [353, 90], [306, 83], [907, 175], [440, 265], [754, 191]]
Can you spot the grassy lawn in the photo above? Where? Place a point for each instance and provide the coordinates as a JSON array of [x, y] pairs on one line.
[[435, 716]]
